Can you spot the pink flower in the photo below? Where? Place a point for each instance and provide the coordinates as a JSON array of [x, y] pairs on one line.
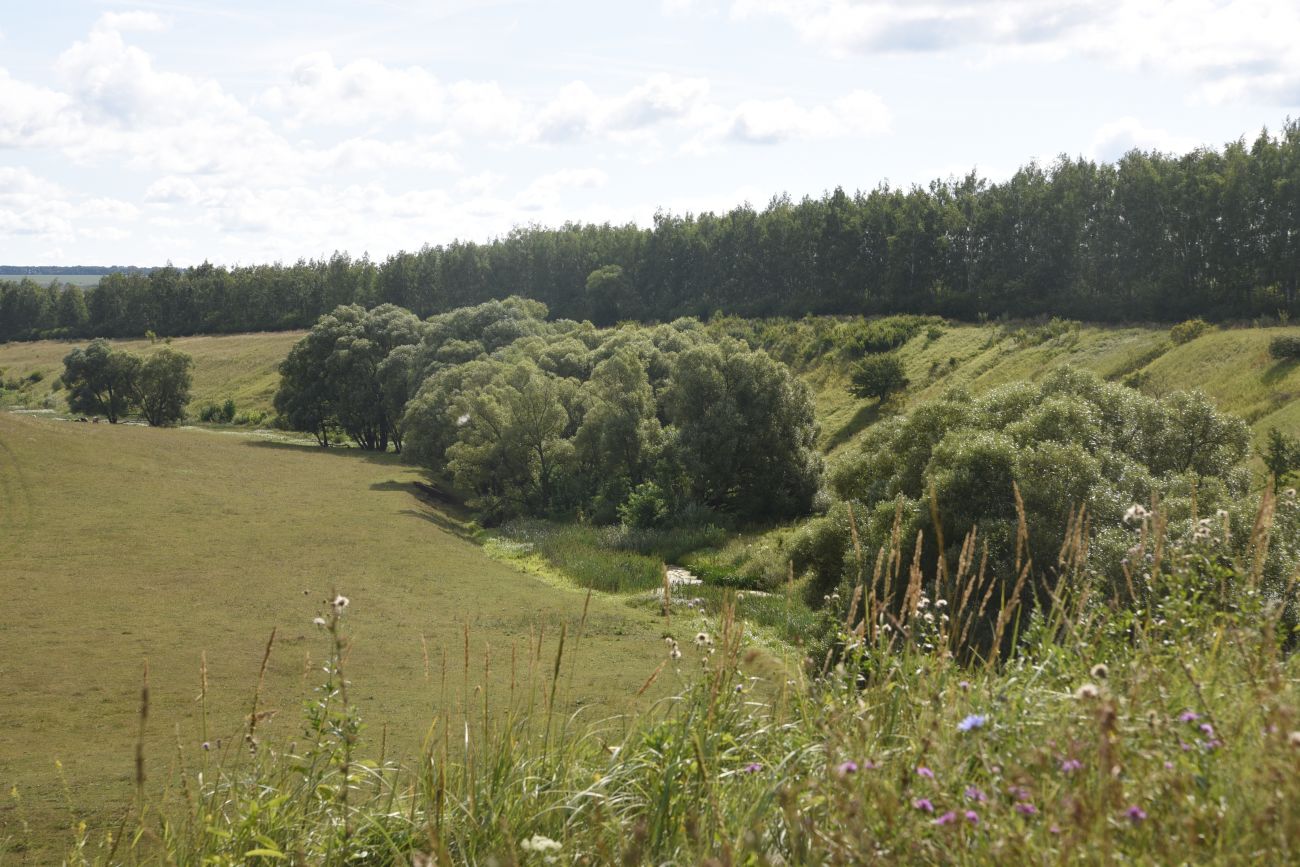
[[1136, 813], [1070, 765], [923, 771], [975, 794], [923, 804], [946, 818], [1026, 809], [847, 768], [972, 817]]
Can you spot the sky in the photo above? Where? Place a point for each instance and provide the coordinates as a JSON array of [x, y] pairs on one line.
[[251, 131]]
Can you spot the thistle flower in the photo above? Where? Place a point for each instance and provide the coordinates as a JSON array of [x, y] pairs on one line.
[[1088, 692], [972, 817], [675, 652], [1188, 716], [1099, 671], [947, 818], [1294, 739], [1026, 809], [846, 768], [1135, 813], [753, 767], [341, 602], [1070, 765], [1136, 514], [976, 794], [923, 771], [923, 804], [702, 639], [974, 721]]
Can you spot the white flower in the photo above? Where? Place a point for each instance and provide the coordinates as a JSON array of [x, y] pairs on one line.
[[341, 602], [1135, 514], [1087, 692], [1222, 514], [702, 639], [540, 844], [319, 621]]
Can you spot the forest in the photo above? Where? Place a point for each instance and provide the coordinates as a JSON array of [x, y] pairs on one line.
[[1153, 236]]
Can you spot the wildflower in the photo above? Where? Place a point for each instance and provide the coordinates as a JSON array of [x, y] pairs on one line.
[[923, 804], [1169, 766], [846, 768], [675, 653], [1289, 493], [1207, 729], [941, 603], [319, 621], [1087, 692], [1100, 671], [975, 794], [1026, 809], [1135, 514], [964, 685], [669, 640], [947, 818], [206, 746], [538, 843], [702, 639], [1055, 829], [1294, 739], [753, 767], [1070, 765], [1222, 514], [340, 602], [972, 817], [1188, 716], [923, 771], [1136, 813], [974, 721]]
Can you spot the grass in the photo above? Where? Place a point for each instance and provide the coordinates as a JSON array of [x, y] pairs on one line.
[[241, 367], [126, 544], [1158, 727]]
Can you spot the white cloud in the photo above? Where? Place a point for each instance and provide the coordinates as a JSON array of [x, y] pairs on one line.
[[1118, 137], [1229, 49], [135, 20]]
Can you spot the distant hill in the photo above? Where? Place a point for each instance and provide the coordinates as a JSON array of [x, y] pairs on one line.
[[61, 270]]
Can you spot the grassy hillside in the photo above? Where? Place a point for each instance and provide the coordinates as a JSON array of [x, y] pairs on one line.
[[241, 367], [1232, 366], [126, 544]]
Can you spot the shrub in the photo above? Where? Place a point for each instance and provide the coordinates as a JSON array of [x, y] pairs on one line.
[[1187, 331], [878, 376], [645, 507], [1284, 347]]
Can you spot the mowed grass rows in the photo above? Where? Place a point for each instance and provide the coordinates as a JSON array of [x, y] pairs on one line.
[[124, 544]]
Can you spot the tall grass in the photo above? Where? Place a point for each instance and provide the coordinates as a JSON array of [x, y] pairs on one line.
[[1158, 724]]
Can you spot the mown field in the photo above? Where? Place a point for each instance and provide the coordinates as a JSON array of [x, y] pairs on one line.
[[122, 544]]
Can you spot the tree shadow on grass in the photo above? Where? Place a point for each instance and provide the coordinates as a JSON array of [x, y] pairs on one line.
[[862, 419], [1279, 371], [390, 458]]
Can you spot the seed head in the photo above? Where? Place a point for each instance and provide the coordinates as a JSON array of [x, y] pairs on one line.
[[1088, 692], [1100, 671]]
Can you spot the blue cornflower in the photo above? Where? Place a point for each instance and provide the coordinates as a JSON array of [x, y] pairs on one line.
[[974, 721]]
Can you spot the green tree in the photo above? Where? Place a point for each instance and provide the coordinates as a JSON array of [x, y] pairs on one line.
[[1281, 455], [101, 380], [878, 376], [162, 388]]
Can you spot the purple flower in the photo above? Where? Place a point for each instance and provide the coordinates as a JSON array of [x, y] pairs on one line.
[[972, 817], [1055, 829], [1188, 716], [923, 771], [847, 768], [1070, 765], [976, 795], [923, 804], [753, 767], [1169, 766], [964, 684], [1208, 729], [946, 818], [974, 721], [1136, 813], [1026, 809]]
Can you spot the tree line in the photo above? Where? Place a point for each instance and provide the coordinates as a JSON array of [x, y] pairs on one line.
[[1209, 233], [525, 416]]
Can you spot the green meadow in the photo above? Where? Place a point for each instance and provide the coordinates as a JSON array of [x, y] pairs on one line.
[[125, 545]]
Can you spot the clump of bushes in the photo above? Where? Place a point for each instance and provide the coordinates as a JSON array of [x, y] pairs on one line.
[[223, 413], [1284, 347], [1053, 329], [885, 334], [1188, 330], [878, 376]]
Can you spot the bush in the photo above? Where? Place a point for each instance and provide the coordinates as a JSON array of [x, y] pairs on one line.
[[878, 376], [1284, 347], [646, 507], [1187, 331]]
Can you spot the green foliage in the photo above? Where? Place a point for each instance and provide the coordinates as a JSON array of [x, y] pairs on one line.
[[1284, 347], [1071, 442], [101, 380], [1188, 330], [645, 508], [162, 388], [878, 376], [1281, 455], [886, 334], [585, 556]]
